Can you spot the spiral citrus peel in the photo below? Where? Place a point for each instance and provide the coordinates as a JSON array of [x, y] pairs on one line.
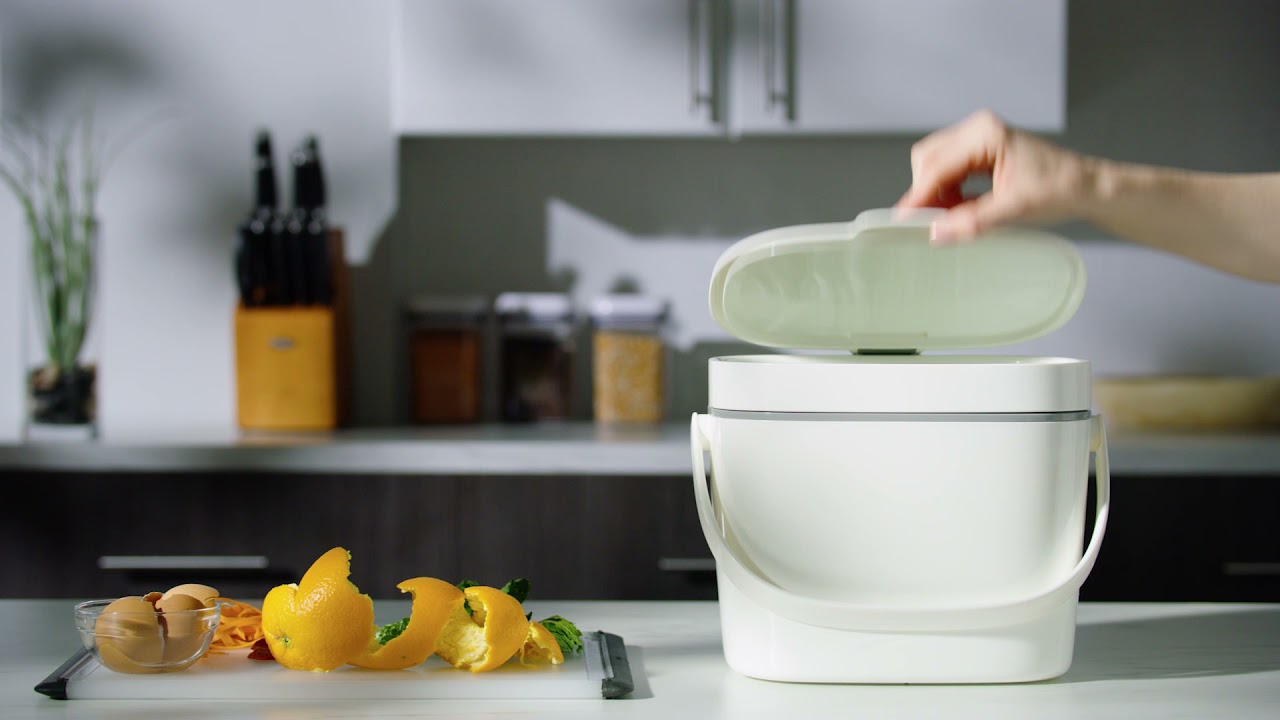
[[540, 644], [491, 635], [324, 622], [434, 603]]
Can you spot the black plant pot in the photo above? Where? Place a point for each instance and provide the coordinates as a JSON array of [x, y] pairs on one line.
[[62, 397]]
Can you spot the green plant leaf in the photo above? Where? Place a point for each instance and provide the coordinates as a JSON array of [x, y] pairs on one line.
[[391, 631], [567, 635], [517, 588]]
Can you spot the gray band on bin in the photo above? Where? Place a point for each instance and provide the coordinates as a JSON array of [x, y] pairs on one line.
[[1060, 416]]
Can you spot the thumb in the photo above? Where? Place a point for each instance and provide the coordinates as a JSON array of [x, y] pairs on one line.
[[971, 218]]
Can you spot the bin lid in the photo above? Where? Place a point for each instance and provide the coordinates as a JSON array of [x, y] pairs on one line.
[[877, 285]]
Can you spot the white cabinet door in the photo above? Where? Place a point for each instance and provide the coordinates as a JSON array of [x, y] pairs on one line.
[[846, 66], [556, 67]]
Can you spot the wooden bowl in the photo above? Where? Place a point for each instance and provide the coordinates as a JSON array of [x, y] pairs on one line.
[[1188, 402]]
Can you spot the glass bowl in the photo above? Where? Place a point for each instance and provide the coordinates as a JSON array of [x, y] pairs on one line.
[[146, 642]]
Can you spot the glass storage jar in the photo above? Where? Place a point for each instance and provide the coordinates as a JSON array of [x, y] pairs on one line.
[[628, 359], [536, 351], [446, 344]]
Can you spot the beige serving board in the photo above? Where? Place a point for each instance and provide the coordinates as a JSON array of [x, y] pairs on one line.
[[600, 671]]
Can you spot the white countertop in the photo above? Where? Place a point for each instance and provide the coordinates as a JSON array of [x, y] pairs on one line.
[[1132, 661], [577, 448]]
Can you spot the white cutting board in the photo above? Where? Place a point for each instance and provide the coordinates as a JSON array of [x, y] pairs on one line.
[[232, 676]]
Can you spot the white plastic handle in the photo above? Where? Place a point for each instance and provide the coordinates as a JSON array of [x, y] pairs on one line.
[[880, 618]]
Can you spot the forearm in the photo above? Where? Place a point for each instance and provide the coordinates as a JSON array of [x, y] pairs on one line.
[[1231, 222]]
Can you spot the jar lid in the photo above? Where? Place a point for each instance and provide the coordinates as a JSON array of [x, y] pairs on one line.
[[628, 308], [534, 306], [877, 284], [436, 306]]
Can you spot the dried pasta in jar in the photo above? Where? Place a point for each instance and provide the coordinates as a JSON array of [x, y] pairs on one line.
[[628, 359]]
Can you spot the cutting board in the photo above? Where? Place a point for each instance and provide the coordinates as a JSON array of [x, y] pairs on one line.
[[601, 670]]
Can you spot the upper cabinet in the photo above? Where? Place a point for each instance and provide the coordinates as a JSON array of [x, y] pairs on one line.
[[851, 66], [724, 67], [557, 67]]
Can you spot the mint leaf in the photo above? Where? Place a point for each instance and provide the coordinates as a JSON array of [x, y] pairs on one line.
[[567, 635], [517, 588], [391, 631], [463, 585]]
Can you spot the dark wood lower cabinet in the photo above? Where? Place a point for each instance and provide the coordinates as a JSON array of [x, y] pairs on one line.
[[1189, 539], [576, 537], [1169, 538]]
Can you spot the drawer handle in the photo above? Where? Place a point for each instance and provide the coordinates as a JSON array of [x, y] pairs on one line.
[[183, 562], [684, 564], [1251, 569]]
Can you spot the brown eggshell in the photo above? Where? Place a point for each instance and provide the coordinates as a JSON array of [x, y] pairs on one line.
[[116, 660], [184, 631], [203, 593], [128, 634], [176, 618]]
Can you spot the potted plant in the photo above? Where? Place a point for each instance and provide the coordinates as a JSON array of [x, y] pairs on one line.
[[55, 178]]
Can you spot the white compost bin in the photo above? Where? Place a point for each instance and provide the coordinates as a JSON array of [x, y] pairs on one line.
[[884, 515]]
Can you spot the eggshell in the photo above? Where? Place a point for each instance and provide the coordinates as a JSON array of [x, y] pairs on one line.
[[129, 635], [153, 597], [118, 661], [184, 630], [176, 618], [203, 593]]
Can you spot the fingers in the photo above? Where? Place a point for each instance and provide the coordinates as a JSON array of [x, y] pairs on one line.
[[942, 161], [970, 218], [943, 197]]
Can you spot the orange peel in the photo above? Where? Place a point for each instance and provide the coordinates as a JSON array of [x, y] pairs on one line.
[[321, 622], [541, 646], [491, 635], [434, 602]]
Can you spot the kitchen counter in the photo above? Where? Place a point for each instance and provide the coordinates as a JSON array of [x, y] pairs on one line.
[[579, 448], [1132, 661]]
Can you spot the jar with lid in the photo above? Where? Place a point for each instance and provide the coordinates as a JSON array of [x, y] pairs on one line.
[[628, 359], [445, 339], [536, 355]]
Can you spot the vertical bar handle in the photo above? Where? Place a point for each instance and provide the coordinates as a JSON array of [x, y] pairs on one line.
[[701, 58], [777, 35]]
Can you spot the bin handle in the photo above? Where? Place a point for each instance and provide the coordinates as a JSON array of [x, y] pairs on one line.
[[883, 618]]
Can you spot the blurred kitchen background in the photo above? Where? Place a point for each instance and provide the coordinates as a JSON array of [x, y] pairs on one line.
[[503, 204], [586, 146]]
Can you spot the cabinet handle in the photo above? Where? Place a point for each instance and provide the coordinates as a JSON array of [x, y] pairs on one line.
[[778, 37], [778, 31], [702, 56], [183, 562], [1251, 569], [684, 564]]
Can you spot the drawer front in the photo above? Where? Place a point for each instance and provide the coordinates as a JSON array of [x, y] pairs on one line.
[[1190, 539]]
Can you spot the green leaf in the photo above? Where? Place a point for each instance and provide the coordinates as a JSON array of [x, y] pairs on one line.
[[567, 635], [391, 631], [463, 585], [517, 588]]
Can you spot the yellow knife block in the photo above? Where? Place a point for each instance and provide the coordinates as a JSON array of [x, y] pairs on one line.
[[286, 368]]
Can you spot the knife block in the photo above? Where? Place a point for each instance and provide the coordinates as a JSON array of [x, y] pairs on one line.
[[286, 368], [293, 363]]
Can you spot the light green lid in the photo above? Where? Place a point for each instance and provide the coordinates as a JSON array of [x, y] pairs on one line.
[[876, 284]]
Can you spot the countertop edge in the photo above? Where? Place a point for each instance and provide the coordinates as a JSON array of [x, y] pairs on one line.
[[570, 449]]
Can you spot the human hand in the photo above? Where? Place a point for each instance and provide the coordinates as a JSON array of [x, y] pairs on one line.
[[1032, 180]]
